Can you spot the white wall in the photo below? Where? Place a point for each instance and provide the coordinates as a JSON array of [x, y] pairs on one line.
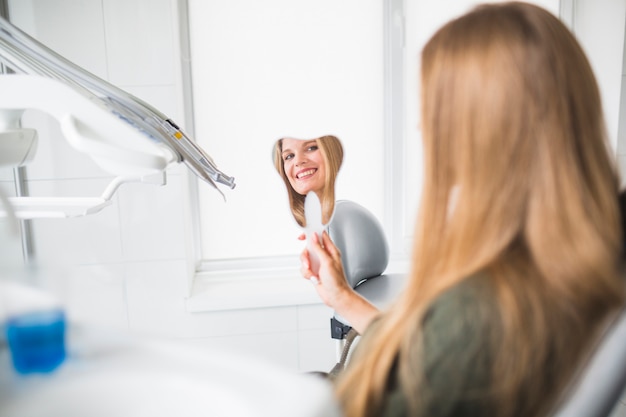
[[126, 267], [599, 26]]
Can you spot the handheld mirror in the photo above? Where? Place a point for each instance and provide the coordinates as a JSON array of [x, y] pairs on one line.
[[309, 167], [314, 225]]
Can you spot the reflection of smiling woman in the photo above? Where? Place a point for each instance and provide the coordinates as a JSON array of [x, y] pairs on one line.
[[309, 165], [304, 165]]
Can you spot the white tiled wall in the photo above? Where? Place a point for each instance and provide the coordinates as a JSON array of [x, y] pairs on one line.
[[126, 267]]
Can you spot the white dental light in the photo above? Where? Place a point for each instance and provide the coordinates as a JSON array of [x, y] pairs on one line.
[[122, 134]]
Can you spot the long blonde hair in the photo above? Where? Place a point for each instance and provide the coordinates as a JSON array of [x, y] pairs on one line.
[[332, 154], [512, 119]]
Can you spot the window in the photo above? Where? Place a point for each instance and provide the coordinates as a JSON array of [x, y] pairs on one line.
[[261, 70]]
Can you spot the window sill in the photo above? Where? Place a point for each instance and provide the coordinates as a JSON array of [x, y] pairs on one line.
[[258, 286], [212, 292]]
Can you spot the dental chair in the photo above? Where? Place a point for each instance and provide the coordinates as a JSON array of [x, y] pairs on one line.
[[601, 381], [365, 256]]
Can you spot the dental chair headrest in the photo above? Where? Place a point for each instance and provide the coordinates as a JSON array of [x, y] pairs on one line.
[[361, 240]]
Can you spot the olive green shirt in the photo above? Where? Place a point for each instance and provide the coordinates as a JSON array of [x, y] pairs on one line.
[[455, 359]]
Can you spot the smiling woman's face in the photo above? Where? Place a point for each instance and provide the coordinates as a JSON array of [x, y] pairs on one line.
[[304, 165]]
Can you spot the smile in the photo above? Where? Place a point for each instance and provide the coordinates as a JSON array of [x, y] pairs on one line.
[[307, 173]]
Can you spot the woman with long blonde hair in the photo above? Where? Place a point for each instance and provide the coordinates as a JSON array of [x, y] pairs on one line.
[[324, 155], [516, 271]]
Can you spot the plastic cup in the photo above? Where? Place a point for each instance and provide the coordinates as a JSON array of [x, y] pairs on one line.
[[37, 341]]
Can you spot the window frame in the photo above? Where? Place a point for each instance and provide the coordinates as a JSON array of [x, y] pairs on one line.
[[245, 283]]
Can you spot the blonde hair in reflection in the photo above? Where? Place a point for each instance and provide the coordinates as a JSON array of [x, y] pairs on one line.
[[332, 154], [511, 114]]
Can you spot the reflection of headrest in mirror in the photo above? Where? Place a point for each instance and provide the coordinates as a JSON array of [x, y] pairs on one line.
[[292, 159]]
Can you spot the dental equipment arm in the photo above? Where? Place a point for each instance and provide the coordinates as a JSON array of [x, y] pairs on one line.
[[26, 55]]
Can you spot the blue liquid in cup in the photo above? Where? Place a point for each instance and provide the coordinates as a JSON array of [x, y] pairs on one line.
[[37, 341]]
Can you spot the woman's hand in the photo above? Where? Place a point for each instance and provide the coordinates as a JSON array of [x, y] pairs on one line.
[[330, 282], [332, 286]]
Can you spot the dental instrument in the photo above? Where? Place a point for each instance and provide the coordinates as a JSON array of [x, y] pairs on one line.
[[123, 134]]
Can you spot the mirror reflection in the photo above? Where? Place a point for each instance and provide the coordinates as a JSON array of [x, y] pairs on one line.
[[309, 165]]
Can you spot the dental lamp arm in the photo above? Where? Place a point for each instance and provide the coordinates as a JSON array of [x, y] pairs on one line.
[[115, 145], [26, 55]]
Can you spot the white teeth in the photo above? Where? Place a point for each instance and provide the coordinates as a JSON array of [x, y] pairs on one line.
[[305, 173]]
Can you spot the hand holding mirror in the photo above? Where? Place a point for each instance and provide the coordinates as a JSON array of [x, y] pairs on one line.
[[310, 167]]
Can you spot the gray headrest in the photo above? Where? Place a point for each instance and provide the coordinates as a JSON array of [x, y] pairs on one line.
[[361, 240]]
